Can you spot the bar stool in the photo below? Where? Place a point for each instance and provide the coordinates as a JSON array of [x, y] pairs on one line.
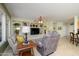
[[77, 39], [72, 37]]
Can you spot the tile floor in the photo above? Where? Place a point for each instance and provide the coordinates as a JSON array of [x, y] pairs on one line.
[[8, 52], [65, 48]]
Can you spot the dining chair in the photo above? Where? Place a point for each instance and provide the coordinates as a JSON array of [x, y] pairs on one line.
[[77, 39], [72, 37]]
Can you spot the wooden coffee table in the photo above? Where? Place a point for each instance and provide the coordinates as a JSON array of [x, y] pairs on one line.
[[26, 50]]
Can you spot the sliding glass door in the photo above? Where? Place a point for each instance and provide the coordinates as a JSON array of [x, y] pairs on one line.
[[2, 28]]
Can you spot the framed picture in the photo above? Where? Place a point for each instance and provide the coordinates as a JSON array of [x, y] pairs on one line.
[[41, 25], [59, 28], [54, 28]]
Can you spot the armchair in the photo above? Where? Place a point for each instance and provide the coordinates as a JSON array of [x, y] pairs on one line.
[[13, 44], [48, 43]]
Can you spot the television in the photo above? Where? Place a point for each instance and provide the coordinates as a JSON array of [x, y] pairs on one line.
[[34, 31]]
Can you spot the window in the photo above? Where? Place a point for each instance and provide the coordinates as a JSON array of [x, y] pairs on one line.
[[0, 29]]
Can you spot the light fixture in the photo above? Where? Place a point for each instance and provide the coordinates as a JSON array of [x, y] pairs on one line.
[[40, 20], [25, 30]]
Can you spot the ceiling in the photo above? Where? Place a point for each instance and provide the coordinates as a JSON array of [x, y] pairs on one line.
[[53, 11]]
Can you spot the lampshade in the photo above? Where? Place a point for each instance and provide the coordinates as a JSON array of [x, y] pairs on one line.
[[25, 29], [18, 28]]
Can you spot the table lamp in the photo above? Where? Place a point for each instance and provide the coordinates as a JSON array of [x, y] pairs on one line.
[[17, 29], [25, 30]]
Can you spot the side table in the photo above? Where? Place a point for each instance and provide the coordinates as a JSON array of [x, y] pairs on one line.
[[26, 50]]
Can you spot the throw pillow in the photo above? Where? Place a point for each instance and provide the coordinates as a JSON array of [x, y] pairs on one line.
[[20, 39]]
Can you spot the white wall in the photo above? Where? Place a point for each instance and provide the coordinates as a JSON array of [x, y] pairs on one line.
[[49, 23], [17, 20], [8, 30], [75, 23], [63, 31]]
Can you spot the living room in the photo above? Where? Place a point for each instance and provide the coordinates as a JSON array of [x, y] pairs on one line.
[[39, 21]]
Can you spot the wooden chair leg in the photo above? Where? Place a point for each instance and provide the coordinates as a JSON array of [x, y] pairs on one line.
[[72, 42], [76, 43], [32, 52]]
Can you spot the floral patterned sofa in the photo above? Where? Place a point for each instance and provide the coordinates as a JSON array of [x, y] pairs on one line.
[[48, 43]]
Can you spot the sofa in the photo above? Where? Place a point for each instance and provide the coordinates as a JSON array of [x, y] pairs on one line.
[[47, 44]]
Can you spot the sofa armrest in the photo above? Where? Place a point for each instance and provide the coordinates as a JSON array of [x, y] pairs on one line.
[[39, 42]]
